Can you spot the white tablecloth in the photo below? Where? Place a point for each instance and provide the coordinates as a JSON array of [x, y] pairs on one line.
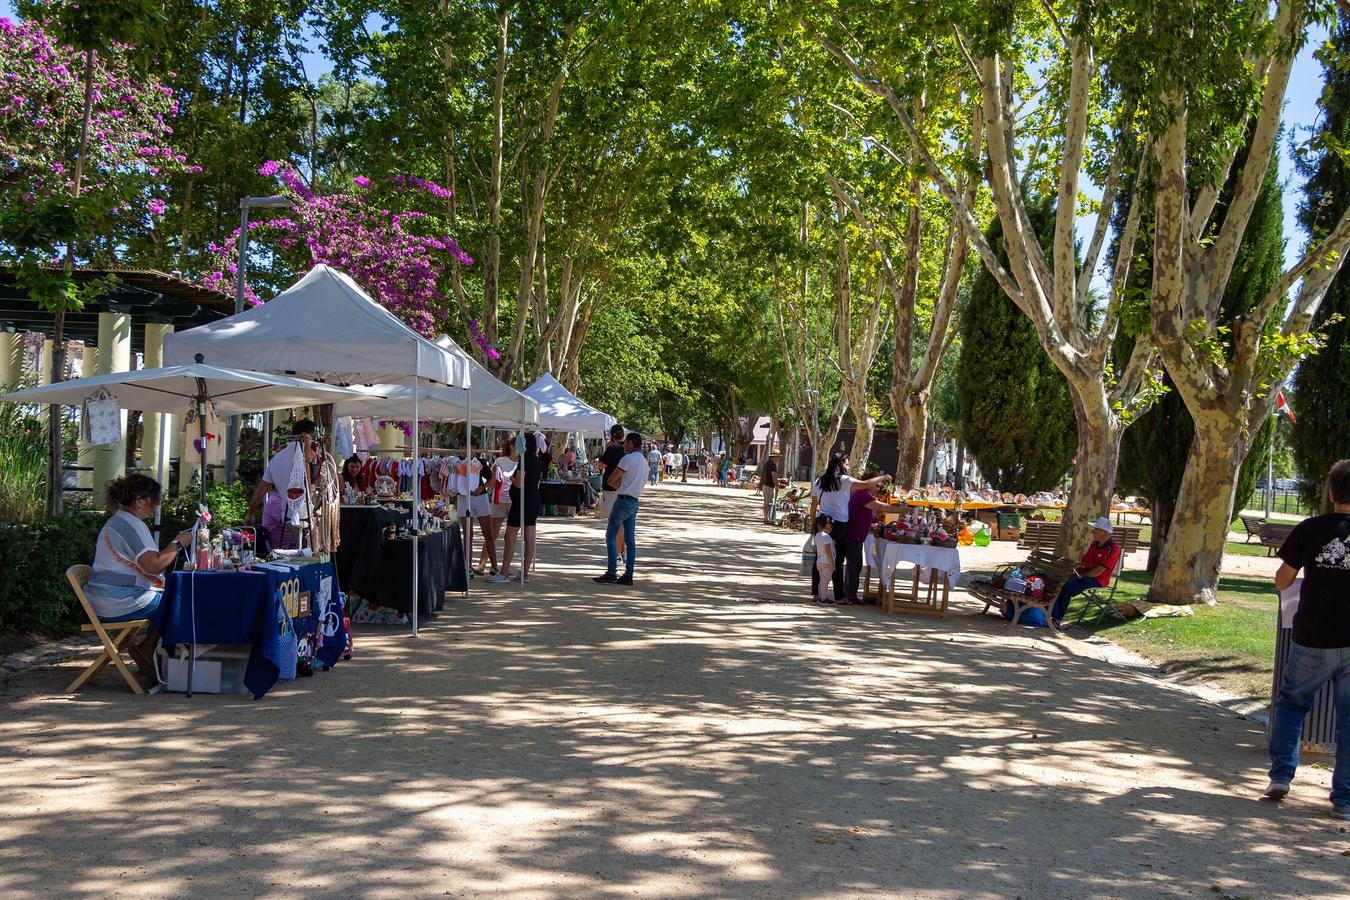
[[944, 559]]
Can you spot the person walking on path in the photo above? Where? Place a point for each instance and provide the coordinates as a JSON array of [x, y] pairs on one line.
[[654, 464], [629, 478], [1320, 650], [768, 483], [830, 495], [608, 461]]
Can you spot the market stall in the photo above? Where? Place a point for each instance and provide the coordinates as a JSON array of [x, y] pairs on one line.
[[286, 613], [488, 402], [328, 329], [936, 569], [374, 559], [561, 410]]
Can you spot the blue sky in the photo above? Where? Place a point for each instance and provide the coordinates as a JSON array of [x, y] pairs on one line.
[[1305, 86]]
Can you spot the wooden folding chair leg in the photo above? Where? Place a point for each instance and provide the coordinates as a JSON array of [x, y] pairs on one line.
[[112, 653]]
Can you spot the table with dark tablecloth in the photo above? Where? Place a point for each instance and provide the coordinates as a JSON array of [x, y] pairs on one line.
[[246, 608], [380, 570], [358, 557], [553, 493]]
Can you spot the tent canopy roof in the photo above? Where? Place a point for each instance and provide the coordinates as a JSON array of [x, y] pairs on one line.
[[560, 410], [325, 328], [488, 401]]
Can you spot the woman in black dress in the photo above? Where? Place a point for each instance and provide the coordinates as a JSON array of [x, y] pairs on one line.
[[534, 463]]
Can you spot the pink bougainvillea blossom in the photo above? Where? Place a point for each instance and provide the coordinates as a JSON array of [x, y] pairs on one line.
[[395, 255], [42, 105]]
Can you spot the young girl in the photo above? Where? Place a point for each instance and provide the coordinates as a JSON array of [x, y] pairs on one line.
[[824, 558]]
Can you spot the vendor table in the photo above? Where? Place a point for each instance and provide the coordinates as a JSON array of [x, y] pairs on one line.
[[380, 570], [246, 607], [563, 493], [883, 557], [1122, 512], [968, 506]]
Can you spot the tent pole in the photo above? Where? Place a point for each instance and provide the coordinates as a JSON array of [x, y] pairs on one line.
[[159, 474], [416, 591], [201, 428], [520, 451], [467, 519]]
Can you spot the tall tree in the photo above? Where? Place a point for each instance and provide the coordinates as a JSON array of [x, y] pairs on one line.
[[1155, 448], [1016, 417], [1320, 434], [1226, 376]]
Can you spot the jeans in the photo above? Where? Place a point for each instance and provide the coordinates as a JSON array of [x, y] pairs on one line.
[[654, 474], [623, 515], [1072, 588], [1305, 671]]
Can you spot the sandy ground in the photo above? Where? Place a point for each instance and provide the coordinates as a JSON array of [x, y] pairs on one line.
[[703, 734]]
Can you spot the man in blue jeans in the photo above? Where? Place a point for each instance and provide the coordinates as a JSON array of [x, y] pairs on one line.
[[1320, 652], [628, 478]]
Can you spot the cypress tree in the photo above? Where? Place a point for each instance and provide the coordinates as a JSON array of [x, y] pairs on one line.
[[1321, 433], [1016, 415]]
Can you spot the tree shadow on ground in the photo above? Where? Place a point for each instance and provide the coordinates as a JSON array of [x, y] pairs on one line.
[[583, 741]]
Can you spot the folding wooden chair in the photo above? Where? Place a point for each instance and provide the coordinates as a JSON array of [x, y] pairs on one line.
[[112, 646]]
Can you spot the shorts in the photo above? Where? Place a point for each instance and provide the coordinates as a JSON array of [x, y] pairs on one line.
[[480, 506], [143, 612], [499, 510]]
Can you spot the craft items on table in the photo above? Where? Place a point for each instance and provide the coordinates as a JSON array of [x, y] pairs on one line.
[[935, 570]]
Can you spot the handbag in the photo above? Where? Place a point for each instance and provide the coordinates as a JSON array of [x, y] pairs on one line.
[[288, 645]]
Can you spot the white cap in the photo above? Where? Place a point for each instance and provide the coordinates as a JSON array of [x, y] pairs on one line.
[[1103, 523]]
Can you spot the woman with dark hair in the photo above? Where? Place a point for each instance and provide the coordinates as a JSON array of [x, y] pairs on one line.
[[351, 474], [128, 580], [525, 505], [830, 495]]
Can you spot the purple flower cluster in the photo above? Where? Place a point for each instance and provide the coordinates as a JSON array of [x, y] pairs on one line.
[[42, 105], [394, 255]]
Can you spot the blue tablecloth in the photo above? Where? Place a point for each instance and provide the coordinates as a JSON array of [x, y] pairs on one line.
[[246, 608]]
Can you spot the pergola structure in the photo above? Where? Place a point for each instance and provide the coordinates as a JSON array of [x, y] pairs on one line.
[[133, 317]]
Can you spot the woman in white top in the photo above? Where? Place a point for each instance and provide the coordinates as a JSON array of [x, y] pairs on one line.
[[128, 579], [829, 495]]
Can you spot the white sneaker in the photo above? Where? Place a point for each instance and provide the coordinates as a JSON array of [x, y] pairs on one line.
[[1276, 790], [498, 579]]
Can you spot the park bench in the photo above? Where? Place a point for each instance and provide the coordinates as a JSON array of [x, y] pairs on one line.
[[1253, 525], [1038, 535], [1273, 536], [1056, 572]]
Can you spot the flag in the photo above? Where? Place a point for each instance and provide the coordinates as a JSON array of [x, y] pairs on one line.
[[1282, 405]]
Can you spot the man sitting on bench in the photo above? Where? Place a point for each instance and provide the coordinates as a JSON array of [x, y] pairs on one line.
[[1099, 564]]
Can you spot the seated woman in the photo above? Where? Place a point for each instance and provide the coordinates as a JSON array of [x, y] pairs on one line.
[[352, 475], [128, 574]]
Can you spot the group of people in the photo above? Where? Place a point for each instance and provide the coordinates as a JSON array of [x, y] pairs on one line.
[[503, 497], [625, 472]]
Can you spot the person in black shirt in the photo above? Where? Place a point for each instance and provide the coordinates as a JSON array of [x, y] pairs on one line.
[[608, 461], [768, 484], [1320, 651], [525, 512]]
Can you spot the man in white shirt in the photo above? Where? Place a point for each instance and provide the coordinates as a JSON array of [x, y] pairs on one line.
[[284, 489], [629, 478]]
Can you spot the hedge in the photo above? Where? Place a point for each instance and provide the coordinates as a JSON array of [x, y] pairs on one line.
[[36, 598]]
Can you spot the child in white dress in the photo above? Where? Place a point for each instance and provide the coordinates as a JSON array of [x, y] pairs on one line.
[[825, 561]]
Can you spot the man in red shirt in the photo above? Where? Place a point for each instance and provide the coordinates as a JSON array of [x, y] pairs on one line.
[[1096, 569]]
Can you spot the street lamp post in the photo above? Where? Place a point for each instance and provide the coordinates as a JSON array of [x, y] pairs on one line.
[[815, 430], [245, 204]]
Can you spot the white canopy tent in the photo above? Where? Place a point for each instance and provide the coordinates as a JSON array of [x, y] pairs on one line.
[[324, 327], [560, 410], [488, 402]]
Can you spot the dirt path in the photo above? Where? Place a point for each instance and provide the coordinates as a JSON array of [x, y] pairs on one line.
[[663, 740]]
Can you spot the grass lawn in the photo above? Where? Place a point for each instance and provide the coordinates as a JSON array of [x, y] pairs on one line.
[[1231, 645]]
